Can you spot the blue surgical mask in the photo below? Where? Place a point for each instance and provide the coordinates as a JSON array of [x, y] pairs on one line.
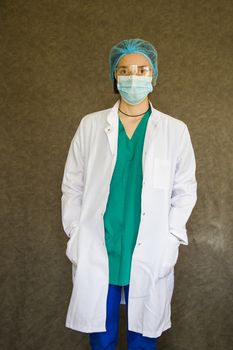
[[133, 88]]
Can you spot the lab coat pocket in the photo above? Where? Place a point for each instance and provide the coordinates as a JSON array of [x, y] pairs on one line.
[[72, 248], [157, 302], [161, 173], [170, 255], [141, 279], [74, 268]]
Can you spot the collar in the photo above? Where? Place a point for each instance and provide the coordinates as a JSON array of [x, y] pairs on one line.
[[112, 116]]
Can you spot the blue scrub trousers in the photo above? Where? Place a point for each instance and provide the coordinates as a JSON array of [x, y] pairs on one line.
[[108, 340]]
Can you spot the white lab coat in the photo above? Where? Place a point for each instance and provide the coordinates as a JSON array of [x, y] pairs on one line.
[[167, 199]]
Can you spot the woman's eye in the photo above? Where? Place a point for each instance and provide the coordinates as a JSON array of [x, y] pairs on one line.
[[122, 71], [144, 71]]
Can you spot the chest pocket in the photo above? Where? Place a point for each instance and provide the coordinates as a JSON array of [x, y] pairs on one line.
[[158, 171], [161, 173]]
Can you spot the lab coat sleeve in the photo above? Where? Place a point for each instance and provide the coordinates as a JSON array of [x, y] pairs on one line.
[[184, 191], [72, 185]]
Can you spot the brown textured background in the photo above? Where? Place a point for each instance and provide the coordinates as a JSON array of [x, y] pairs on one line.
[[54, 68]]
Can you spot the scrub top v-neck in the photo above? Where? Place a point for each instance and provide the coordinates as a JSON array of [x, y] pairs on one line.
[[123, 210]]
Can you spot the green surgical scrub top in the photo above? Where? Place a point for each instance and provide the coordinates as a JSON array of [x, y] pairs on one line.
[[123, 209]]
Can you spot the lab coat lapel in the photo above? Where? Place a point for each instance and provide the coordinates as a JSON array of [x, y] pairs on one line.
[[111, 128]]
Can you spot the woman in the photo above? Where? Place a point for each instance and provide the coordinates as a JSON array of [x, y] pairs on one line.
[[129, 188]]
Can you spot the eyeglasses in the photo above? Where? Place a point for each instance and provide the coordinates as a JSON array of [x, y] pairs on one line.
[[133, 69]]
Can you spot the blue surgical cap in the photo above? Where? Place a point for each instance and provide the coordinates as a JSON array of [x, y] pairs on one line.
[[133, 46]]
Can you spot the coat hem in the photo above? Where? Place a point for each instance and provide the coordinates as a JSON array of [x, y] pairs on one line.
[[151, 334], [84, 329], [157, 334]]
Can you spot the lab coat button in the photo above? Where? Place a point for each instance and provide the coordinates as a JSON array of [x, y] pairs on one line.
[[143, 213]]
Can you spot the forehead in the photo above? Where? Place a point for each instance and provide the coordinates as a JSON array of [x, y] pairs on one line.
[[133, 58]]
